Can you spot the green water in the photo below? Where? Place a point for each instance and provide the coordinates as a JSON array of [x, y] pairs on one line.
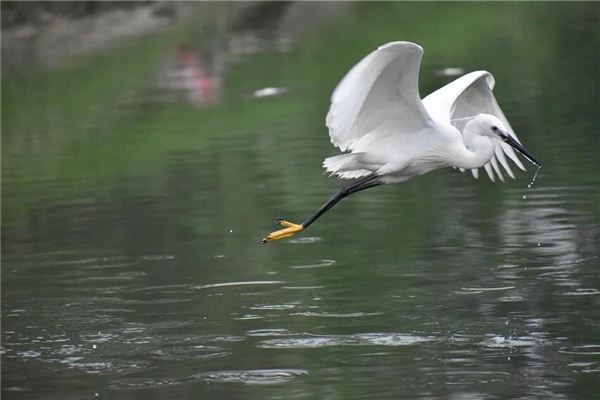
[[130, 262]]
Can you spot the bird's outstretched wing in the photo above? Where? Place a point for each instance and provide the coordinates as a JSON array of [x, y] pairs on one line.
[[468, 96], [382, 86]]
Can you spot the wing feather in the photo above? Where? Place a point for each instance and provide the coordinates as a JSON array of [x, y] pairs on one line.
[[494, 163], [467, 96], [490, 173], [500, 156], [382, 86]]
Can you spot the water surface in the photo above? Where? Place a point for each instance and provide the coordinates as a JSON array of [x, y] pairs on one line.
[[130, 262]]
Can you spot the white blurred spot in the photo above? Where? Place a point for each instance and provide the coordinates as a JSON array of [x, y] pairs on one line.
[[450, 71], [269, 92]]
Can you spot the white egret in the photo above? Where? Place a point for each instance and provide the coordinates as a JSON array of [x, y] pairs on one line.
[[390, 135]]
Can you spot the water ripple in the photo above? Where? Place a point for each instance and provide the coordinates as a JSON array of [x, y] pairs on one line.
[[268, 332], [249, 377], [361, 339], [479, 290], [319, 264], [511, 342], [590, 349], [243, 283], [336, 315], [305, 240], [267, 307], [253, 377], [582, 292]]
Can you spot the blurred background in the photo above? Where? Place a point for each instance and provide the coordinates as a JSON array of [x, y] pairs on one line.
[[148, 146]]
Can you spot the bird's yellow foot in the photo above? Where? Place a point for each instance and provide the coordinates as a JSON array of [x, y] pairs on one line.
[[289, 230]]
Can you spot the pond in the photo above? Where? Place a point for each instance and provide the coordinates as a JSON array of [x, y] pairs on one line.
[[131, 266]]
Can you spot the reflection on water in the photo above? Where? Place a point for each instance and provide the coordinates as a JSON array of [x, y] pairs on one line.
[[131, 267], [192, 78]]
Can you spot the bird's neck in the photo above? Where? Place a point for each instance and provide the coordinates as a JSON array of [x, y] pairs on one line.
[[474, 152]]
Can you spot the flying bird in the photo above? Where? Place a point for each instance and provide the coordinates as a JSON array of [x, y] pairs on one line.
[[388, 134]]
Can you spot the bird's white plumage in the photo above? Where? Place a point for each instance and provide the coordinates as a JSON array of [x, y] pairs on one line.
[[377, 115], [467, 96], [382, 86], [391, 135]]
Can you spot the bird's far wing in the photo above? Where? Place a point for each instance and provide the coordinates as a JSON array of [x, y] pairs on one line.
[[468, 96], [382, 86]]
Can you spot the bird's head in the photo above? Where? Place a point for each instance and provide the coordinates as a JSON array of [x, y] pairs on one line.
[[487, 125]]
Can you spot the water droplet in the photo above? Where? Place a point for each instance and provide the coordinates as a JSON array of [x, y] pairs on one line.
[[534, 177], [94, 346], [508, 358], [539, 244], [231, 231], [530, 184]]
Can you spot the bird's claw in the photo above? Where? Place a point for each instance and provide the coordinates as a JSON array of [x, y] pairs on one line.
[[288, 224], [290, 229]]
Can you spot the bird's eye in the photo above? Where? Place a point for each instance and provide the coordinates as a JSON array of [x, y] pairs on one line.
[[494, 128]]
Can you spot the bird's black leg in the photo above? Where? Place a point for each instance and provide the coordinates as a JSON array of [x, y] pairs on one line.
[[291, 229], [362, 184]]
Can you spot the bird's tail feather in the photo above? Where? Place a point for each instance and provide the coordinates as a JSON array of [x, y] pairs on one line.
[[346, 166]]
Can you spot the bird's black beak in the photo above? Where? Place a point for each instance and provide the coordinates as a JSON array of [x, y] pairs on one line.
[[508, 138]]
